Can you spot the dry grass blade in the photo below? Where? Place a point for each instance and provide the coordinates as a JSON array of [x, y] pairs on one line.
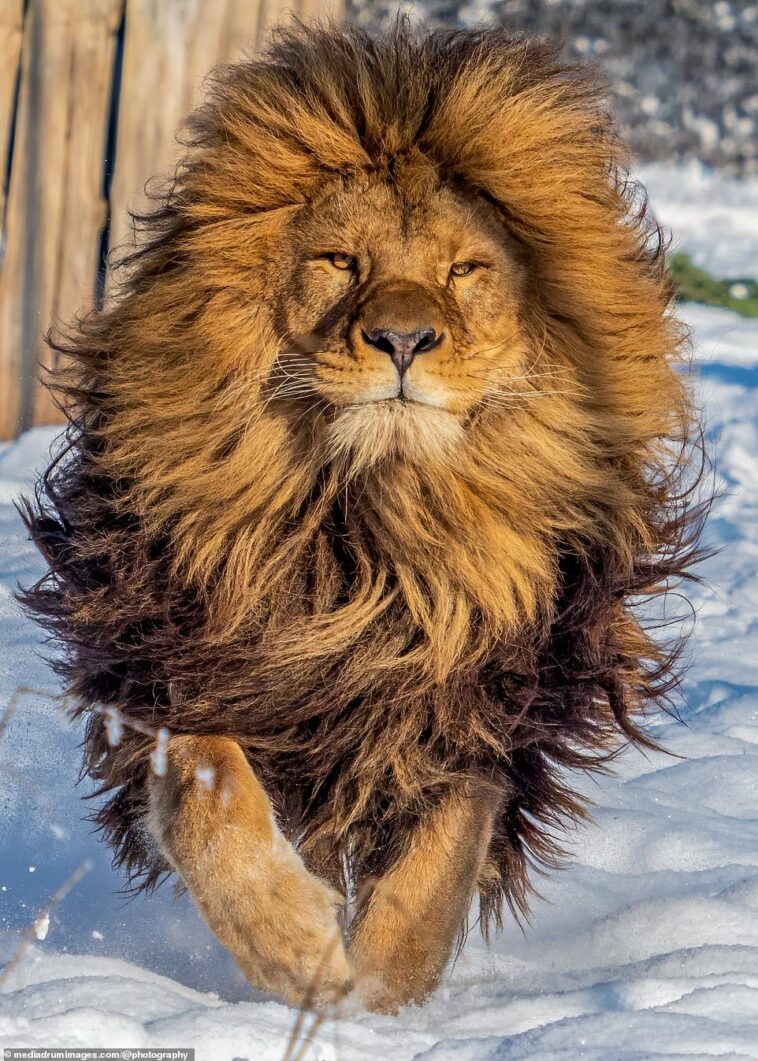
[[306, 1006], [71, 881], [35, 791], [55, 899], [10, 707], [301, 1038]]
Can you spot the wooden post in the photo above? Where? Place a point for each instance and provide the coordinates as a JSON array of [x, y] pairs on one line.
[[56, 208], [11, 23], [169, 48]]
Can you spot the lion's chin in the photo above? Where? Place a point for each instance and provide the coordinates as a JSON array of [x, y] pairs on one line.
[[361, 436]]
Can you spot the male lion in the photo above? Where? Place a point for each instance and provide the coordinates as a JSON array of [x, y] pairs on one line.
[[368, 462]]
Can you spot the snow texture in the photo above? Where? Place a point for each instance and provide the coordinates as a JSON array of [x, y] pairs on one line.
[[645, 947]]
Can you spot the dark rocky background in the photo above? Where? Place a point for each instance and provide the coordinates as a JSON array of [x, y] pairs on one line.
[[684, 72]]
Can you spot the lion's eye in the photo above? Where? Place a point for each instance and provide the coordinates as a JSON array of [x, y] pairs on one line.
[[462, 268], [342, 261]]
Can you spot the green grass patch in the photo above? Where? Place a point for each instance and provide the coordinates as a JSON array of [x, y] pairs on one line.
[[696, 285]]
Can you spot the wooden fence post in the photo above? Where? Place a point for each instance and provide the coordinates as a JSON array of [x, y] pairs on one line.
[[56, 207], [11, 23], [168, 50]]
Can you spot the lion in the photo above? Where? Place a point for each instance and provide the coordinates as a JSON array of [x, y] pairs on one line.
[[372, 458]]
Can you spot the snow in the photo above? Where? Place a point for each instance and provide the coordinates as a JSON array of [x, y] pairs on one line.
[[713, 218], [645, 947]]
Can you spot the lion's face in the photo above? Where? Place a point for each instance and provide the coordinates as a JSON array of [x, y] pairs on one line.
[[401, 315]]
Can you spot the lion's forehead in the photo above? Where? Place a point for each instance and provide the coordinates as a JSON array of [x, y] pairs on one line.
[[391, 220]]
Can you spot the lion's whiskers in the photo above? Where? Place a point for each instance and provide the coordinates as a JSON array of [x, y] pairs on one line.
[[503, 399]]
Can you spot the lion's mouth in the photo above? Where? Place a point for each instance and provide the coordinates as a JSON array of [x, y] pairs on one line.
[[399, 402], [389, 401]]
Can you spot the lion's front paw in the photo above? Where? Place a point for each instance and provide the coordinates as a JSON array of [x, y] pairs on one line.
[[295, 946]]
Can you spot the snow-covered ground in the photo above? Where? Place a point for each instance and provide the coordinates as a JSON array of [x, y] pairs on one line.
[[646, 947], [712, 217]]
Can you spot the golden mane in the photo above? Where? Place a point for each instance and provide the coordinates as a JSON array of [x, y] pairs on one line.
[[370, 633]]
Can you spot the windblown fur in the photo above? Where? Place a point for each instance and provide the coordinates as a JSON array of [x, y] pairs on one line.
[[371, 637]]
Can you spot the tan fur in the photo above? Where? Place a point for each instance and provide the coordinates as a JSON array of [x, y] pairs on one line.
[[403, 936], [215, 825]]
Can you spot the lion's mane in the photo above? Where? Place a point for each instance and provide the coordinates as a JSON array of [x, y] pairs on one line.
[[370, 639]]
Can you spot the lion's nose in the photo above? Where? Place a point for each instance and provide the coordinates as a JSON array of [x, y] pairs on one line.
[[402, 347]]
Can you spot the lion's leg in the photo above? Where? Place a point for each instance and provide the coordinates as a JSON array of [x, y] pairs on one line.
[[405, 931], [215, 825]]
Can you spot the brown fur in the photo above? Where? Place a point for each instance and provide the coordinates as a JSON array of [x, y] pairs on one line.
[[380, 603]]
